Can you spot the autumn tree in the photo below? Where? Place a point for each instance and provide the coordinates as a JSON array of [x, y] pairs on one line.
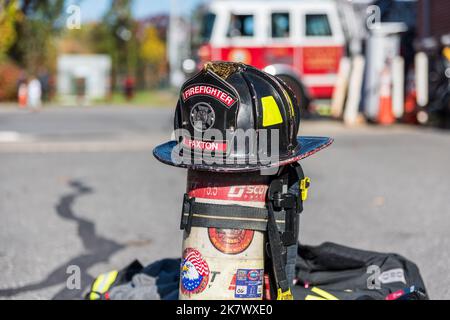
[[9, 15], [118, 38], [153, 54], [35, 46]]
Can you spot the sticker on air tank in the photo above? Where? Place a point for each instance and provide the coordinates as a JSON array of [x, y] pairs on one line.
[[222, 267], [230, 241], [256, 193], [194, 272], [249, 283]]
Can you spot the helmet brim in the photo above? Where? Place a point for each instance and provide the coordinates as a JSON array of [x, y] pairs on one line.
[[308, 146]]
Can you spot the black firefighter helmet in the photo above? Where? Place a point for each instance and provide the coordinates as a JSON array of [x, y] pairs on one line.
[[232, 117]]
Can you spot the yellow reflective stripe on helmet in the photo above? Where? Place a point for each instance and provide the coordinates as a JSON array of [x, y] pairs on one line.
[[271, 112], [323, 293], [102, 284]]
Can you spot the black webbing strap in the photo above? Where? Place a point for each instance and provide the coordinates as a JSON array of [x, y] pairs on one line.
[[292, 203], [277, 250], [207, 215]]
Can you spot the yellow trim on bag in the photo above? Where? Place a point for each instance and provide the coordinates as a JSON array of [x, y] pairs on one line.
[[323, 293], [271, 112], [287, 295], [310, 297], [102, 284]]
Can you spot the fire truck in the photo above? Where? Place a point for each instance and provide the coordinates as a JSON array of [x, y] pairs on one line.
[[302, 42]]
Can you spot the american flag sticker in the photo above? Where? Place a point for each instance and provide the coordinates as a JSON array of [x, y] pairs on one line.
[[194, 272]]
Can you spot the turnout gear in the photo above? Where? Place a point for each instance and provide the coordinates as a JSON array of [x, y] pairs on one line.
[[326, 272], [231, 98]]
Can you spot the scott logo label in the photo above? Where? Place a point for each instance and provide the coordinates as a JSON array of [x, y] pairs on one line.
[[393, 275], [255, 192]]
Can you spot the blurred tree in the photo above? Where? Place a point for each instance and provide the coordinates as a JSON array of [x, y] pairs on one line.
[[45, 10], [10, 74], [119, 40], [153, 54], [153, 50], [82, 41], [36, 47], [9, 14]]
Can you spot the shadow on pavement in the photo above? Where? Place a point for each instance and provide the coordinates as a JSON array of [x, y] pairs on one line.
[[98, 249]]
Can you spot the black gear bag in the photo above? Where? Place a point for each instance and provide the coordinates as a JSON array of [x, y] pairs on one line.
[[334, 272]]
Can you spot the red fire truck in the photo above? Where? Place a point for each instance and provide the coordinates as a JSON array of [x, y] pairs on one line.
[[299, 41]]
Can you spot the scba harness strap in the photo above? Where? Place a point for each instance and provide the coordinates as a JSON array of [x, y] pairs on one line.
[[206, 215], [280, 218]]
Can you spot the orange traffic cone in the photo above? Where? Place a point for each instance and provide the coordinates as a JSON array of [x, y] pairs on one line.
[[385, 114]]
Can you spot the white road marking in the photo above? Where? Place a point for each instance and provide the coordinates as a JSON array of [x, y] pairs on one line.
[[10, 136]]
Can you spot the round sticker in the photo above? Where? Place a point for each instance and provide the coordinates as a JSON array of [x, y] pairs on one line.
[[194, 272], [202, 116], [230, 241]]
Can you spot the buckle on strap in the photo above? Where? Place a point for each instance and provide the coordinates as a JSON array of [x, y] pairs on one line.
[[290, 203], [281, 200], [186, 222], [304, 186]]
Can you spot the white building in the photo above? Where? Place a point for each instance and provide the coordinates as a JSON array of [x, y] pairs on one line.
[[84, 76]]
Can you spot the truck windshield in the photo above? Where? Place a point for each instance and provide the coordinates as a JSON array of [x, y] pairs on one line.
[[317, 25], [207, 26], [241, 25]]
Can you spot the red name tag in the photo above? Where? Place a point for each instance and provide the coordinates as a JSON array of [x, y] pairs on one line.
[[205, 145], [210, 91]]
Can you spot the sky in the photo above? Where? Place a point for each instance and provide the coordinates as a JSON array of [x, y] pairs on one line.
[[94, 9]]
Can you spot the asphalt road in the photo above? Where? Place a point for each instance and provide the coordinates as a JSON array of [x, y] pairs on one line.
[[80, 187]]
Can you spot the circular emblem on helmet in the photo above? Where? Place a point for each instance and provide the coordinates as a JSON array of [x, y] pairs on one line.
[[202, 116]]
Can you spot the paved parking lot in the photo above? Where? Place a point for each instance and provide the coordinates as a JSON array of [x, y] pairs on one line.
[[81, 187]]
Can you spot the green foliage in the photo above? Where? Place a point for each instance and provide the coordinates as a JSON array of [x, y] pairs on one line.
[[120, 39], [36, 30], [9, 15], [33, 33], [45, 10], [37, 48]]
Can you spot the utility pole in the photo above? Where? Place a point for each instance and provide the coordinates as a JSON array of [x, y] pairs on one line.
[[173, 44]]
